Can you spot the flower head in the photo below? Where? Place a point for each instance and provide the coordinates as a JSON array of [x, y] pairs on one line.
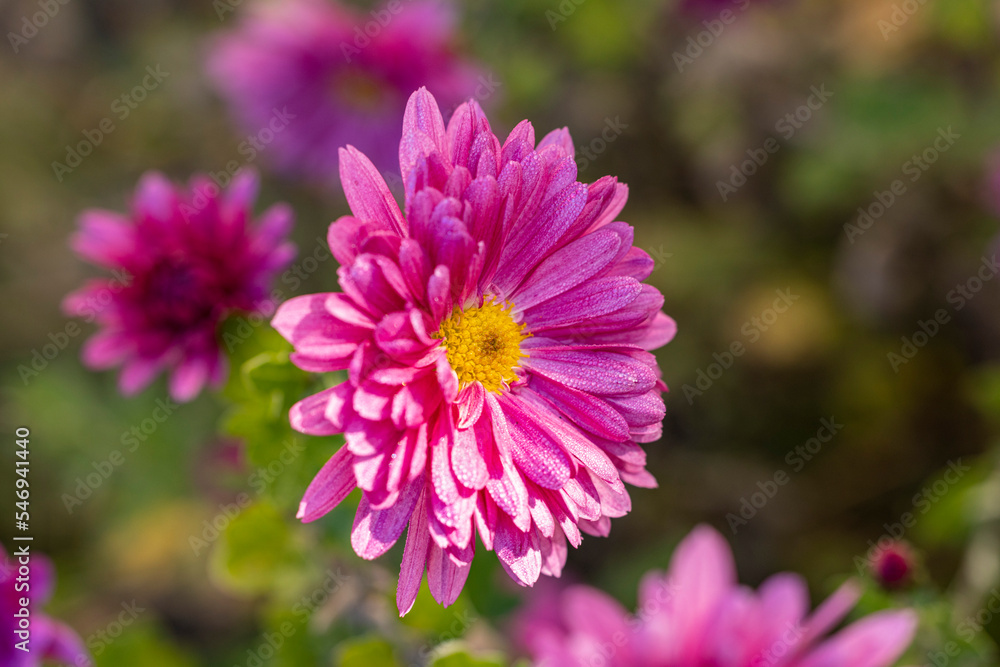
[[894, 565], [337, 75], [49, 640], [181, 261], [496, 340], [697, 614]]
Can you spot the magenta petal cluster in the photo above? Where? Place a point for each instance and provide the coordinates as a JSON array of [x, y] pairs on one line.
[[181, 260], [305, 77], [696, 614], [49, 640], [496, 340]]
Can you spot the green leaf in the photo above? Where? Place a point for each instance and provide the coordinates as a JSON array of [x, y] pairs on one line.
[[272, 371], [456, 654], [142, 644], [258, 554], [438, 623], [366, 652]]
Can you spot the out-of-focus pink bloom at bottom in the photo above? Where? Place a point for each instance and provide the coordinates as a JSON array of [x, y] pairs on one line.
[[48, 639], [697, 614]]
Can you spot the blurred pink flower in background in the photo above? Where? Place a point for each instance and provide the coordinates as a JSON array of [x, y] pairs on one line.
[[182, 260], [496, 340], [697, 614], [49, 639], [339, 75], [894, 565]]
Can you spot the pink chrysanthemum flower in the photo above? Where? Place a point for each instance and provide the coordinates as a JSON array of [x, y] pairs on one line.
[[338, 75], [181, 261], [496, 343], [48, 639], [697, 614]]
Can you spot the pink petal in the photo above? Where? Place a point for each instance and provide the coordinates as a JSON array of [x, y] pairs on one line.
[[592, 299], [563, 270], [539, 455], [519, 552], [137, 374], [187, 379], [154, 197], [331, 485], [831, 611], [595, 372], [534, 237], [367, 194], [586, 411], [660, 332], [375, 531], [415, 553], [466, 461], [445, 577], [105, 238], [322, 413], [554, 552], [58, 642], [105, 349], [877, 640], [559, 137], [703, 571], [604, 617], [439, 293], [423, 132]]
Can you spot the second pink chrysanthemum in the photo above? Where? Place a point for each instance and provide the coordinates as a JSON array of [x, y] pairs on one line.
[[496, 340], [183, 259], [698, 615]]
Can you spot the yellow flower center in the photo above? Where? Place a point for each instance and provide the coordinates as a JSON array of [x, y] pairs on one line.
[[483, 344]]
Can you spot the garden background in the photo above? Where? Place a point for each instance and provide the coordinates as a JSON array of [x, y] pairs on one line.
[[817, 181]]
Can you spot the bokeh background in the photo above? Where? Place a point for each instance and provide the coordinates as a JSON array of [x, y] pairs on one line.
[[194, 532]]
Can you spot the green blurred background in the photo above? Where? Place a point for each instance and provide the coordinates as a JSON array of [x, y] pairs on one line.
[[685, 116]]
